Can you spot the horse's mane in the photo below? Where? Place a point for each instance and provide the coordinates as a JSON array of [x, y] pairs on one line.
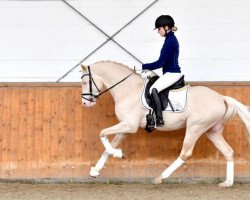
[[120, 64], [114, 62]]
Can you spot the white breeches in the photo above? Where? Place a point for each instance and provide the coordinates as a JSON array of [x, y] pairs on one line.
[[165, 81]]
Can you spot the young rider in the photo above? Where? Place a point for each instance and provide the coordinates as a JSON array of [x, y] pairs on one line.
[[168, 61]]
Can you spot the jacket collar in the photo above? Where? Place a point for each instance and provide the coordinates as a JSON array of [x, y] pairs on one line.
[[168, 34]]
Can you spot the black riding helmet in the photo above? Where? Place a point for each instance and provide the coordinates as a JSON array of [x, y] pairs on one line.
[[164, 20]]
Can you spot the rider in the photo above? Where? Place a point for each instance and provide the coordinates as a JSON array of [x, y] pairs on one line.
[[168, 61]]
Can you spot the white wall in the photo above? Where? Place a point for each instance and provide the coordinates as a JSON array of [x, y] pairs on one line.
[[41, 40]]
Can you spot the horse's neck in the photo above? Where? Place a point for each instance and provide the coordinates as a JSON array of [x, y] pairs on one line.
[[112, 73], [128, 89]]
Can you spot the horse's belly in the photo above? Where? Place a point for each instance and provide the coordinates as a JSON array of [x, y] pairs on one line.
[[173, 121]]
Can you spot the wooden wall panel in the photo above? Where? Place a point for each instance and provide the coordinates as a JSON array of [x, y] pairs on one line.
[[14, 132], [46, 133]]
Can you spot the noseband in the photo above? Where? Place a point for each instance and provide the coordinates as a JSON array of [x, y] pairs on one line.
[[91, 80]]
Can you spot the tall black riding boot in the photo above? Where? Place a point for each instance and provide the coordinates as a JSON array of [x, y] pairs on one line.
[[157, 106]]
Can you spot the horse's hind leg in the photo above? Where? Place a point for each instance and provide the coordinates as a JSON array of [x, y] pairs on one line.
[[216, 137], [192, 135], [94, 171]]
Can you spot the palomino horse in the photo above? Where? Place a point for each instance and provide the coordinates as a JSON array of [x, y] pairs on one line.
[[206, 112]]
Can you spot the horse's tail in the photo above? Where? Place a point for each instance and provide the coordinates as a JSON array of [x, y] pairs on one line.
[[243, 111]]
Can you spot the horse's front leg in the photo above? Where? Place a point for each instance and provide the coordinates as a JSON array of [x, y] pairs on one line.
[[94, 172], [121, 128]]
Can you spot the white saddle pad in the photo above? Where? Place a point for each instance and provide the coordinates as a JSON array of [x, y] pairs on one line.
[[178, 99]]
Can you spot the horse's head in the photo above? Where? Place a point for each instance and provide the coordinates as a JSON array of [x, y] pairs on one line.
[[91, 85]]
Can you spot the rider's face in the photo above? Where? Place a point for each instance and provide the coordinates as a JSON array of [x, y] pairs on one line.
[[162, 31]]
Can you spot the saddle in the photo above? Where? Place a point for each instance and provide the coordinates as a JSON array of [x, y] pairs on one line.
[[173, 99], [164, 95]]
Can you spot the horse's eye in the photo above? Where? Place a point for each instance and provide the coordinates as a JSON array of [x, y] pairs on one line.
[[84, 83]]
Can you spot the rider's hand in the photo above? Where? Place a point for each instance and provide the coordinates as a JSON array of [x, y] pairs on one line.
[[145, 73], [138, 69]]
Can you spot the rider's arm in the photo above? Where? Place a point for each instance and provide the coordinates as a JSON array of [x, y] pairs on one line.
[[167, 52]]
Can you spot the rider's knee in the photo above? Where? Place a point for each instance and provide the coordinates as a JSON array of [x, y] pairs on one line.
[[153, 90]]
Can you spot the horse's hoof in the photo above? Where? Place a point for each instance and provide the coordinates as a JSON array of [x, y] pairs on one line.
[[157, 180], [118, 153], [94, 172], [225, 184], [123, 155]]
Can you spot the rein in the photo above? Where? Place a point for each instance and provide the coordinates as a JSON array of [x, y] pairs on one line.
[[91, 80]]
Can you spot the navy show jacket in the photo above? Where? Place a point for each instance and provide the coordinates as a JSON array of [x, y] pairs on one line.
[[168, 59]]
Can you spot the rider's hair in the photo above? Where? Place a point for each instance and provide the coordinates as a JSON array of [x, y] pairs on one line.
[[174, 29]]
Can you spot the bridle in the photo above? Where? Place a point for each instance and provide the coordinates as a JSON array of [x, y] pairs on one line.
[[92, 81]]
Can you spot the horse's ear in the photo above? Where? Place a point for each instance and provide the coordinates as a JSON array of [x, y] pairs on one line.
[[84, 68]]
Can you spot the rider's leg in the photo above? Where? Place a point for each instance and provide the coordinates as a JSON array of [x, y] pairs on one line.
[[157, 107], [163, 82]]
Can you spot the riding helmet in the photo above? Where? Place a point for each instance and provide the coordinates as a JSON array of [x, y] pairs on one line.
[[164, 20]]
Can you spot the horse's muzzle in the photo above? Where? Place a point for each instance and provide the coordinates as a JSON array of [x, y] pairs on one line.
[[88, 103]]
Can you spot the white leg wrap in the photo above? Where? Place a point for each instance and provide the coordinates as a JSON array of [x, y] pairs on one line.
[[94, 171], [107, 145], [110, 150], [99, 165], [175, 165], [230, 174]]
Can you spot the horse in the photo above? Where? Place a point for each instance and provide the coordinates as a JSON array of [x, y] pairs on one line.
[[206, 113]]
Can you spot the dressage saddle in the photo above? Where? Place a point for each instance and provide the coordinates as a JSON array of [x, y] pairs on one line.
[[150, 126], [163, 94]]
